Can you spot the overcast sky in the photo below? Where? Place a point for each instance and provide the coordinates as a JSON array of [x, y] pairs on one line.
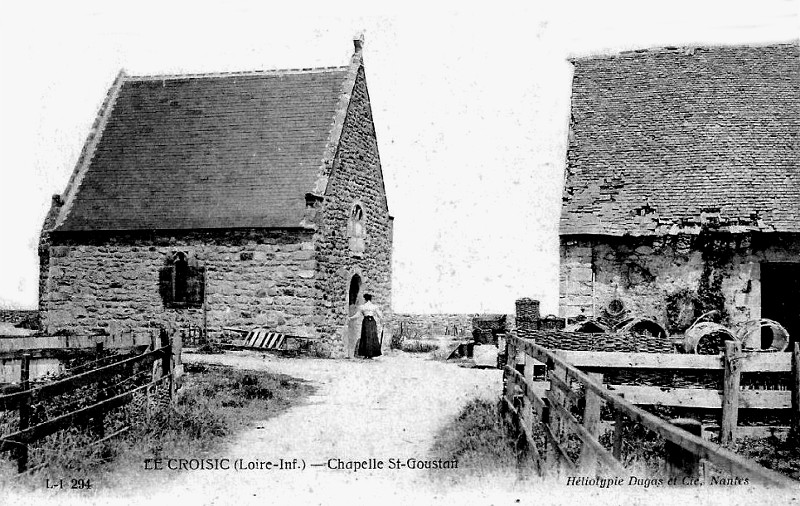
[[471, 107]]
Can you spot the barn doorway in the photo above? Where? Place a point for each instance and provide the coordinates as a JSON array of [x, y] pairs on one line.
[[780, 297], [353, 331]]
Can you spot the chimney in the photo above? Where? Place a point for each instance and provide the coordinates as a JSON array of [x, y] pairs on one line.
[[358, 42]]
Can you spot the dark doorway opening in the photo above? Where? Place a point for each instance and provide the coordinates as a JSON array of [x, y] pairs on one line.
[[353, 327], [780, 298], [355, 288], [354, 296]]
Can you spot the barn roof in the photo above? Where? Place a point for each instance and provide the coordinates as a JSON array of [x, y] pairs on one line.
[[205, 151], [663, 141]]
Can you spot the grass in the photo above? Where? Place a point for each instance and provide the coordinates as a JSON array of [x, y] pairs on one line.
[[772, 452], [214, 403], [478, 440]]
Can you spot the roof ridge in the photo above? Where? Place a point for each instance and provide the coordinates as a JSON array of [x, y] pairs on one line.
[[238, 73], [686, 48]]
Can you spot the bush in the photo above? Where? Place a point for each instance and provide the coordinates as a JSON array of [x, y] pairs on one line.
[[419, 346], [397, 341]]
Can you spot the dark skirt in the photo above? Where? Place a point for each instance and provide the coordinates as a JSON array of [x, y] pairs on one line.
[[369, 346]]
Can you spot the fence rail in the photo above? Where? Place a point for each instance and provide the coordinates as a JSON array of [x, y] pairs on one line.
[[168, 354], [49, 353], [551, 410]]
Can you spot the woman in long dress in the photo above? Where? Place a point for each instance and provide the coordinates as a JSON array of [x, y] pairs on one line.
[[368, 346]]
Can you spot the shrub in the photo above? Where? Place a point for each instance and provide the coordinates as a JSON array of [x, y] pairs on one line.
[[397, 340], [419, 346]]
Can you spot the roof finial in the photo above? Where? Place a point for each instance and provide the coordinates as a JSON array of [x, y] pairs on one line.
[[358, 41]]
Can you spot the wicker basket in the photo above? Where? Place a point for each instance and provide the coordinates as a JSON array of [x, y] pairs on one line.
[[527, 309], [552, 322], [581, 341], [496, 323], [750, 334], [484, 336]]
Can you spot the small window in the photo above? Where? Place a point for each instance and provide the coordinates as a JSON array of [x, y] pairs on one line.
[[182, 282], [356, 230]]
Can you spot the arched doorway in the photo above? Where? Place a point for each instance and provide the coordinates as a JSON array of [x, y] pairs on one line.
[[354, 292], [353, 326]]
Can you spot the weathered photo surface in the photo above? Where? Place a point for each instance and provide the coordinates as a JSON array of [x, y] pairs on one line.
[[339, 254]]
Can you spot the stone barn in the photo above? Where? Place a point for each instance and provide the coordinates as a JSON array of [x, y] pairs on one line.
[[682, 188], [235, 199]]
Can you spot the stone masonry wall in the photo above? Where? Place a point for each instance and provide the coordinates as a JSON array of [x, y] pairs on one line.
[[253, 277], [355, 178], [433, 324], [440, 324], [646, 273]]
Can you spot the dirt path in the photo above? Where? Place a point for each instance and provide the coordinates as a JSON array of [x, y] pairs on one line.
[[386, 408]]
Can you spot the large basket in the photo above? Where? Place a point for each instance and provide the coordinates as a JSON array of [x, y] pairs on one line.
[[552, 322], [706, 338], [527, 309], [753, 336], [495, 323]]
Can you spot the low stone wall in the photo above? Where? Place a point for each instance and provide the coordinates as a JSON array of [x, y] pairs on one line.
[[453, 324], [15, 316]]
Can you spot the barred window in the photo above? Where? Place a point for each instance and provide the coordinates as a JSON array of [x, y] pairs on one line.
[[182, 282]]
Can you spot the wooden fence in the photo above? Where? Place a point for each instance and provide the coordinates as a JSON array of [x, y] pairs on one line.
[[48, 353], [531, 407], [23, 396], [728, 367]]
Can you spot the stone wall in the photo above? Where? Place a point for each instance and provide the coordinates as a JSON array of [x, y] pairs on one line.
[[433, 324], [650, 274], [15, 316], [355, 178], [440, 324], [253, 277]]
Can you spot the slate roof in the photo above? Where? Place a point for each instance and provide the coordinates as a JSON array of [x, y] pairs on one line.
[[207, 151], [664, 140]]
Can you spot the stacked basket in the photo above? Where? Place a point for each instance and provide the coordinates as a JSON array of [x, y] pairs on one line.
[[527, 317]]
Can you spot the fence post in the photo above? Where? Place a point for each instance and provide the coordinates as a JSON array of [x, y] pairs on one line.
[[554, 396], [527, 404], [795, 429], [98, 422], [591, 421], [619, 422], [730, 393], [177, 364], [680, 462], [166, 360], [550, 460], [24, 412], [511, 361]]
